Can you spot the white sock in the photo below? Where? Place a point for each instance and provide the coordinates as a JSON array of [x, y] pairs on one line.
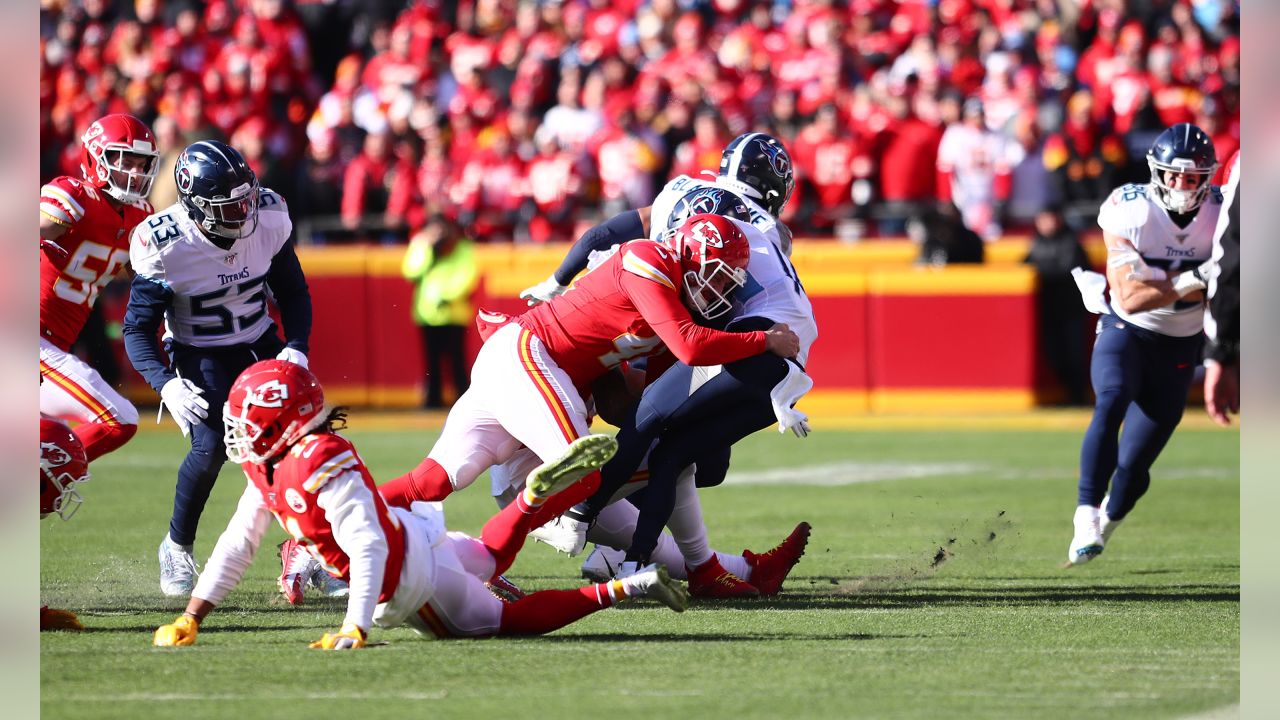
[[686, 524], [735, 564]]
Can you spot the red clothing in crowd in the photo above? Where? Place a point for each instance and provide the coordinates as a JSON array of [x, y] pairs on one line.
[[908, 158]]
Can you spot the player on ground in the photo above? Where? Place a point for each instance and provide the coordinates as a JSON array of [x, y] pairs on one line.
[[84, 241], [701, 413], [205, 266], [404, 567], [1159, 237], [63, 465], [533, 373]]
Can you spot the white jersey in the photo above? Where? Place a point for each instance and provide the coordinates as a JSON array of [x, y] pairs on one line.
[[1132, 214], [219, 296], [773, 288]]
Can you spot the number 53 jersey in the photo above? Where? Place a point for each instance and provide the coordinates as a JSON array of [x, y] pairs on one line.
[[219, 296]]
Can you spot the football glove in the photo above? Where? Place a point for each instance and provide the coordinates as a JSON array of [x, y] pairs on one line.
[[297, 357], [182, 397], [1196, 278], [543, 291], [348, 637], [180, 632]]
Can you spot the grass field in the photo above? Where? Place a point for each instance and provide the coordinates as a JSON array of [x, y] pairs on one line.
[[932, 587]]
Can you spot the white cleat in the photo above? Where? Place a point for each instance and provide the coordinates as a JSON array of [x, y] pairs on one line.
[[564, 534], [177, 569], [1105, 524], [578, 460], [328, 585], [653, 582], [602, 563], [1088, 541]]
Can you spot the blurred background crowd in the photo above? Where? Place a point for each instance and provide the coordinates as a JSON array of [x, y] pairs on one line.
[[529, 120]]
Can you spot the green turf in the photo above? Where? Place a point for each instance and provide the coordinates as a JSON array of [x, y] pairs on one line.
[[939, 595]]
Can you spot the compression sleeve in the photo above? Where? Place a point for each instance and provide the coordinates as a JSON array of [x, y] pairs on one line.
[[235, 549], [616, 230], [349, 507], [148, 300], [289, 288], [691, 343]]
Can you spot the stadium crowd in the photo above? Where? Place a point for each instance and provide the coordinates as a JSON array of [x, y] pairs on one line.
[[528, 120]]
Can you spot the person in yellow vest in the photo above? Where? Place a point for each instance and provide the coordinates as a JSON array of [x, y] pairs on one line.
[[442, 262]]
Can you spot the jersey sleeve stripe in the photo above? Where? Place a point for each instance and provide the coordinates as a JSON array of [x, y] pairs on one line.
[[55, 213], [344, 461], [636, 266], [73, 208]]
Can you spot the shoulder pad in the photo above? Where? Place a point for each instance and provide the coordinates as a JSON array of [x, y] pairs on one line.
[[158, 229], [270, 200], [63, 199], [651, 261], [1125, 209], [320, 457]]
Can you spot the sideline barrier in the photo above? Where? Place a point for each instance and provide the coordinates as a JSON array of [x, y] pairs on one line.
[[894, 337]]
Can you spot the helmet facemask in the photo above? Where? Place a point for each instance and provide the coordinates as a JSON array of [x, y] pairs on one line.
[[231, 217], [68, 500], [1165, 175], [127, 170]]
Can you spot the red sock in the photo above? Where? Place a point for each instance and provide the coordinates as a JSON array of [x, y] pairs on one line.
[[505, 533], [567, 498], [427, 482], [548, 610], [100, 438]]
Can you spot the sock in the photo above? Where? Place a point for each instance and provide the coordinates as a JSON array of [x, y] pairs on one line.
[[428, 482], [548, 610], [735, 564], [686, 524], [100, 438], [668, 553], [505, 534], [555, 505]]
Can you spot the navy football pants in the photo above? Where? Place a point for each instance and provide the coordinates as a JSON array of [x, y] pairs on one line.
[[1141, 379]]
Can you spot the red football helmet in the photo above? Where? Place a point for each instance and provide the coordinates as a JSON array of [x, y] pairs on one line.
[[62, 465], [714, 254], [271, 406], [120, 157]]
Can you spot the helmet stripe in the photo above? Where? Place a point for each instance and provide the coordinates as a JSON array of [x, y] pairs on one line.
[[735, 158], [218, 150]]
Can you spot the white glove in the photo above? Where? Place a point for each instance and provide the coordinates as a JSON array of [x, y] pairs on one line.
[[182, 397], [297, 357], [543, 291], [1092, 285]]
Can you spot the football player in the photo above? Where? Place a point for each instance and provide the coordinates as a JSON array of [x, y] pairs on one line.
[[701, 413], [1222, 321], [84, 240], [534, 371], [403, 566], [63, 465], [1159, 237], [204, 267]]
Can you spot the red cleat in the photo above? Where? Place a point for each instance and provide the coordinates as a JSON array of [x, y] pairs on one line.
[[504, 589], [53, 619], [711, 580], [295, 569], [768, 570]]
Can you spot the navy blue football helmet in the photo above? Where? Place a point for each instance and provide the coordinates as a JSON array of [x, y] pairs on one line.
[[218, 189], [703, 200], [1182, 153], [761, 166]]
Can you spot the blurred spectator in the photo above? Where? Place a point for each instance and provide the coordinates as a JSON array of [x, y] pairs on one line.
[[366, 182], [1054, 251], [1083, 160], [555, 186], [320, 182], [834, 160], [170, 142], [974, 170], [491, 190], [943, 237], [441, 263], [703, 150], [908, 156]]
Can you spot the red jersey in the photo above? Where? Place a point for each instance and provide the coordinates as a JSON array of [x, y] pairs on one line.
[[97, 245], [626, 308], [294, 492]]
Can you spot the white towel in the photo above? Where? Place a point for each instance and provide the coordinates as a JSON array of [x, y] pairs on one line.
[[785, 395], [1092, 285]]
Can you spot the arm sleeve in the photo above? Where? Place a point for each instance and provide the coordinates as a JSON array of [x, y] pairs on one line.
[[349, 507], [235, 549], [691, 343], [148, 300], [289, 288], [616, 230]]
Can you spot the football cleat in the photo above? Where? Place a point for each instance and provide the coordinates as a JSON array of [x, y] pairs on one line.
[[1088, 542], [602, 563], [504, 589], [53, 619], [296, 568], [711, 581], [564, 534], [583, 456], [770, 569], [653, 581], [328, 585], [177, 569], [1106, 525]]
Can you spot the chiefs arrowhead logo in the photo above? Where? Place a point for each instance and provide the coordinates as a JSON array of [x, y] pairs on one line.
[[271, 393], [53, 455], [708, 234]]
